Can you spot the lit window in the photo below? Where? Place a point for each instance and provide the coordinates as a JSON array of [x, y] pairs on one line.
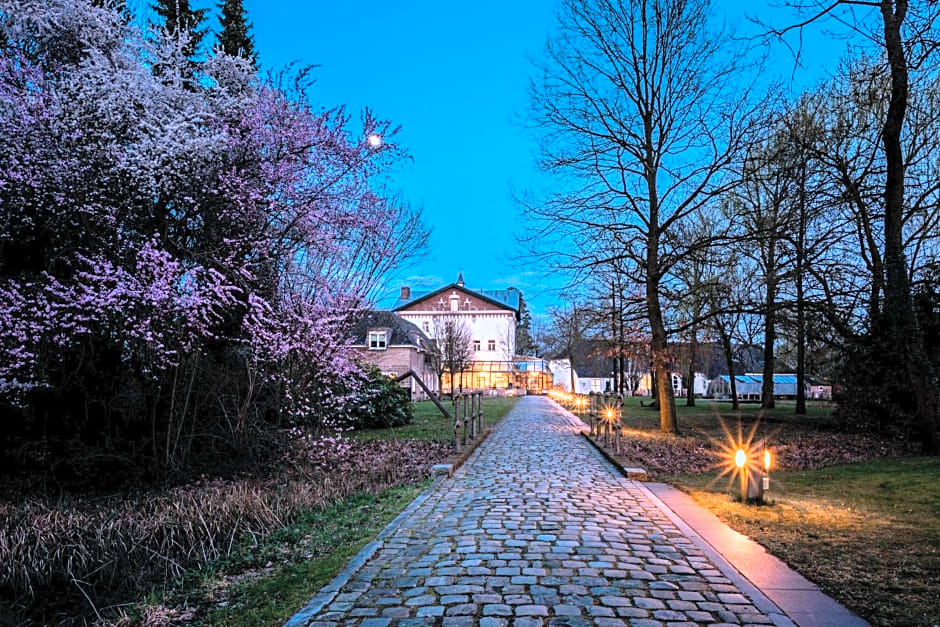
[[491, 345], [378, 340], [476, 346]]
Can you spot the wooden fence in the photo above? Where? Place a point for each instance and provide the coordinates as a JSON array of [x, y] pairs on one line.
[[468, 417], [603, 412]]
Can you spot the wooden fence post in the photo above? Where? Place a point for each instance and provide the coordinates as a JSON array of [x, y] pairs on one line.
[[473, 416], [454, 398], [465, 399], [591, 397], [619, 422]]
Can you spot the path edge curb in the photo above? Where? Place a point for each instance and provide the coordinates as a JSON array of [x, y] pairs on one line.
[[327, 593]]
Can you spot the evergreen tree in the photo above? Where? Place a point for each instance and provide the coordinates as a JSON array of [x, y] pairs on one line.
[[234, 38], [524, 343], [178, 16]]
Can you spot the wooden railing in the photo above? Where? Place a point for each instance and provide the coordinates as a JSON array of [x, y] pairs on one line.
[[468, 417]]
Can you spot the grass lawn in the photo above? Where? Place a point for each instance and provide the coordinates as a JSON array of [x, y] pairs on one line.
[[305, 556], [705, 413], [867, 533], [430, 424]]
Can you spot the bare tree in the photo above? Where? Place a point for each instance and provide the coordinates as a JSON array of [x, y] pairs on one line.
[[568, 326], [906, 34], [452, 350], [639, 104]]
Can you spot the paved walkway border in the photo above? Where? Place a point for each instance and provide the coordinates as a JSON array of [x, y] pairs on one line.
[[753, 567]]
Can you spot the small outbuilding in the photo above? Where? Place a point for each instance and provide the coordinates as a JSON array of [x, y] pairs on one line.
[[750, 386]]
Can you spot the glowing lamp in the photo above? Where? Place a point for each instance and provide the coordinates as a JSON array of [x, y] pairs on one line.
[[766, 459], [740, 458], [610, 414]]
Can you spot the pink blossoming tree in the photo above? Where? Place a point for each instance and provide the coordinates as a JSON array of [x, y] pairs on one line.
[[180, 254]]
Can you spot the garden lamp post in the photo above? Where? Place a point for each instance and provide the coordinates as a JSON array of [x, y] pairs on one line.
[[752, 483]]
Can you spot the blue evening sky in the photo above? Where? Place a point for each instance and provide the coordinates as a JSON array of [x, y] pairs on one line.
[[455, 76]]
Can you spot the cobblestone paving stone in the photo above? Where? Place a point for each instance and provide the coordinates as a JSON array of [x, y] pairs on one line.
[[537, 529]]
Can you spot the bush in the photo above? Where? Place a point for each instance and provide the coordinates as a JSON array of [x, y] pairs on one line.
[[381, 402]]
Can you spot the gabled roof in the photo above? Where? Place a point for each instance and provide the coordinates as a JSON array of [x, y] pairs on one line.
[[504, 299], [401, 332]]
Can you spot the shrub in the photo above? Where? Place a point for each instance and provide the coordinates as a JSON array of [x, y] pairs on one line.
[[381, 402]]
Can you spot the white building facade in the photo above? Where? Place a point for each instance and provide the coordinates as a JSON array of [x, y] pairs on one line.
[[490, 317]]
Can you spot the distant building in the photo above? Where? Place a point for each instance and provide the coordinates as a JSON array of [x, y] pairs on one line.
[[594, 366], [746, 386], [750, 385], [491, 317], [395, 346]]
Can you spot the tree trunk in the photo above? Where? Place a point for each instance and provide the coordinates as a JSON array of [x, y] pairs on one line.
[[899, 317], [571, 369], [658, 348], [800, 304], [729, 361], [613, 332], [690, 385], [770, 316], [621, 349]]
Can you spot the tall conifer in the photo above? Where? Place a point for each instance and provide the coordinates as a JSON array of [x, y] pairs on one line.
[[234, 38], [178, 16]]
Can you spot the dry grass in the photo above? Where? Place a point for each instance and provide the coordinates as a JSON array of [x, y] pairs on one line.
[[83, 557], [798, 443]]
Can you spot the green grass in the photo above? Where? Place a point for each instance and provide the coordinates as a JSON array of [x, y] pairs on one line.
[[430, 424], [706, 412], [307, 554], [868, 533]]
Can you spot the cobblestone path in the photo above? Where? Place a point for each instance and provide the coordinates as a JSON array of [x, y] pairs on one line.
[[537, 529]]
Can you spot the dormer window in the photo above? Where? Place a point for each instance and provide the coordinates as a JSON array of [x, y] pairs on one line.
[[378, 340]]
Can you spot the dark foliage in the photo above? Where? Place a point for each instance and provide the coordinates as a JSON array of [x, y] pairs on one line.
[[234, 38], [874, 391], [63, 560], [380, 402], [180, 18]]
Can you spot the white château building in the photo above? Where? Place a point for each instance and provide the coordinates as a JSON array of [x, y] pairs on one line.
[[490, 317]]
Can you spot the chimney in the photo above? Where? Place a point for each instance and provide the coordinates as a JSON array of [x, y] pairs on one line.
[[405, 292]]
